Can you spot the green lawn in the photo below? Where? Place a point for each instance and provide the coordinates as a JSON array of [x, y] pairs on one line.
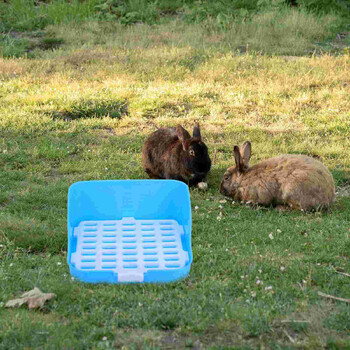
[[82, 112]]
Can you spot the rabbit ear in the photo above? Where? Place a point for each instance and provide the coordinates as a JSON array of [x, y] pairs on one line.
[[238, 158], [183, 135], [197, 131], [240, 161], [246, 150]]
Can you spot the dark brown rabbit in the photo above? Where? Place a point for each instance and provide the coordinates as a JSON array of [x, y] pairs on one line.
[[171, 153]]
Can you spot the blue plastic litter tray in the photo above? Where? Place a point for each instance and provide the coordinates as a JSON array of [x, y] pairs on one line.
[[129, 231]]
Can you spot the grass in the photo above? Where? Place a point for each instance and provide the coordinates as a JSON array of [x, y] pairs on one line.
[[82, 112], [26, 30], [27, 15], [284, 32]]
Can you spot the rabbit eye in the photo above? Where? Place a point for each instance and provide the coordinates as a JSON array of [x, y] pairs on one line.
[[192, 153], [227, 177]]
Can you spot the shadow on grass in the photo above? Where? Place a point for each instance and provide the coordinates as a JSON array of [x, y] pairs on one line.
[[93, 109], [17, 44]]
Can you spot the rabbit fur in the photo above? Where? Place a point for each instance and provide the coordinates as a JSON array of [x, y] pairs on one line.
[[171, 153], [296, 181]]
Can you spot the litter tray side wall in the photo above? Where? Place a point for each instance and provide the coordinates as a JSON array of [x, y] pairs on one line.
[[141, 199], [110, 277]]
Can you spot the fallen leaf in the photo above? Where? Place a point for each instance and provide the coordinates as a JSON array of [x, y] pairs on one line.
[[15, 303], [35, 298]]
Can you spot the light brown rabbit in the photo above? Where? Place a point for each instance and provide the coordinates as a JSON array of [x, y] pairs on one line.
[[296, 181]]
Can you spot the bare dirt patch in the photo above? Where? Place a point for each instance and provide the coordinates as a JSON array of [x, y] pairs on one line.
[[105, 133]]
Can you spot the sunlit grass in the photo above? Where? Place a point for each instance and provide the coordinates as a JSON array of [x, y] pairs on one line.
[[303, 98]]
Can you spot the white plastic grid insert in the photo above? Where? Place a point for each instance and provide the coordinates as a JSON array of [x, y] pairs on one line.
[[129, 247]]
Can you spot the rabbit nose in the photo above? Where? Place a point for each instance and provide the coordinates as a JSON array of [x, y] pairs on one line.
[[223, 190]]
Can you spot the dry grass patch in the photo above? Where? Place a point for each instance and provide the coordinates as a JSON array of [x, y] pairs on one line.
[[11, 68]]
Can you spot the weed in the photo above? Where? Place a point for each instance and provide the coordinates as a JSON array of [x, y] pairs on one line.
[[340, 320], [30, 15], [50, 43], [12, 47]]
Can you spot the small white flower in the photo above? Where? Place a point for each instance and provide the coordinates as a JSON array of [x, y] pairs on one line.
[[282, 268], [253, 294], [271, 236], [220, 206], [227, 249], [196, 207], [72, 278], [260, 271], [268, 288], [203, 186], [11, 264], [218, 218], [223, 201], [258, 282], [233, 202], [278, 231], [89, 150], [242, 277], [59, 263], [318, 264], [304, 282], [104, 338]]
